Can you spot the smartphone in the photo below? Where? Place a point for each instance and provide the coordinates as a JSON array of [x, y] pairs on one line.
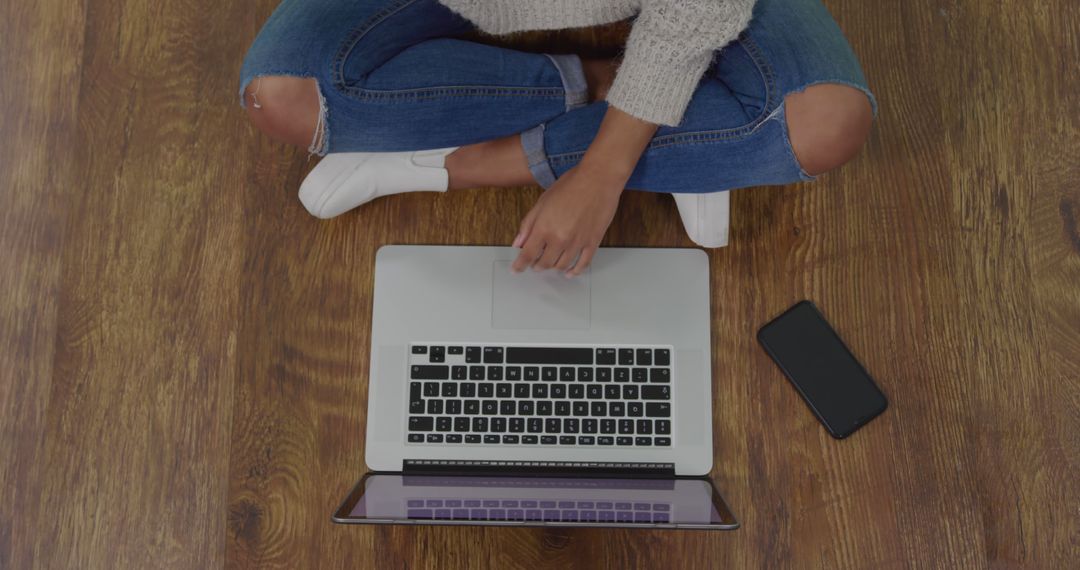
[[832, 382]]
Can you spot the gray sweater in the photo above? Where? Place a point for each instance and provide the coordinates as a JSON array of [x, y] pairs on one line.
[[670, 45]]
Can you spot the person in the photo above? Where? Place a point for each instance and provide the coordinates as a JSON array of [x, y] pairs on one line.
[[708, 96]]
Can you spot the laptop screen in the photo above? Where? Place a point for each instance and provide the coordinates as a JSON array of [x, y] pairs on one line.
[[390, 498]]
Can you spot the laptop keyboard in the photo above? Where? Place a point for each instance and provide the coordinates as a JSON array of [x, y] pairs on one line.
[[540, 395], [538, 510]]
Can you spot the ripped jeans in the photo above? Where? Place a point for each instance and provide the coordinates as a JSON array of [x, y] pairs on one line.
[[392, 76]]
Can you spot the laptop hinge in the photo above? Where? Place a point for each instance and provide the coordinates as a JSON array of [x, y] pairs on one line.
[[620, 470]]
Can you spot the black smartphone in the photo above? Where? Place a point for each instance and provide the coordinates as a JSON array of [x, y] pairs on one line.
[[832, 382]]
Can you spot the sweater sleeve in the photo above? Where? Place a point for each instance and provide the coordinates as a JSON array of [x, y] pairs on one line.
[[669, 48]]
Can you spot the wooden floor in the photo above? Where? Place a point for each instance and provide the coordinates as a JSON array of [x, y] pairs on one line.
[[184, 350]]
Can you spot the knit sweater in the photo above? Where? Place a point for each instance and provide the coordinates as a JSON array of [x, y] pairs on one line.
[[669, 48]]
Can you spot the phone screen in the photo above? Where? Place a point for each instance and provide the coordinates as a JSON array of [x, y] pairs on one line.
[[831, 381]]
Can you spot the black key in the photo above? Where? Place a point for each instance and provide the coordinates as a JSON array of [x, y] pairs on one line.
[[655, 392], [535, 425], [589, 425], [626, 356], [461, 424], [630, 392], [543, 408], [472, 438], [417, 349], [495, 373], [640, 375], [603, 375], [513, 373], [421, 424], [548, 439], [663, 427], [553, 425], [459, 372], [635, 409], [513, 439], [660, 375], [643, 441], [444, 424], [472, 407], [539, 391], [624, 440], [594, 392], [605, 440], [605, 356], [415, 389], [528, 439], [532, 373], [612, 392], [567, 440], [485, 390], [517, 425], [479, 425], [454, 349], [607, 426], [558, 391], [468, 390], [416, 438], [476, 373], [472, 354], [599, 409], [434, 438], [507, 407], [586, 440], [449, 390], [417, 406], [546, 355], [489, 407], [434, 406], [622, 374], [438, 354], [626, 426], [580, 408], [453, 438], [577, 391], [491, 439], [566, 374], [644, 427], [453, 407], [525, 408], [584, 374], [665, 441], [617, 409], [562, 408], [498, 425], [644, 356], [663, 357], [503, 391], [430, 372], [431, 389], [521, 391], [493, 355], [571, 425], [658, 410]]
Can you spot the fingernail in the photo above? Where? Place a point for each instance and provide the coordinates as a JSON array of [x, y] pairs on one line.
[[517, 241]]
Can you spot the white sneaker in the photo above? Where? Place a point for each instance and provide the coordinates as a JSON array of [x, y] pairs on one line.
[[343, 181], [705, 217]]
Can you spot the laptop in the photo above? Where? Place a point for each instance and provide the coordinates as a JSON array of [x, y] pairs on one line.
[[497, 398]]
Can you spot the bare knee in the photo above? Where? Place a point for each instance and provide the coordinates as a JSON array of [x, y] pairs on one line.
[[285, 108], [827, 125]]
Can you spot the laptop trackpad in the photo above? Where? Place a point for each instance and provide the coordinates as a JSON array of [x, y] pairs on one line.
[[538, 299]]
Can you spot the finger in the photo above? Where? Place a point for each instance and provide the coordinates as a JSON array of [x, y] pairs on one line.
[[530, 250], [582, 263], [550, 256], [567, 259], [526, 227]]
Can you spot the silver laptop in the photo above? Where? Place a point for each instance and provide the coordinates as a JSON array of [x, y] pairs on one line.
[[532, 398]]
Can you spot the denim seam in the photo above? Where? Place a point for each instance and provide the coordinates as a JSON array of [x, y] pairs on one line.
[[358, 33], [532, 142], [409, 95]]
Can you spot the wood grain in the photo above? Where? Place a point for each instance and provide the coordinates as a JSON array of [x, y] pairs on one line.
[[183, 350]]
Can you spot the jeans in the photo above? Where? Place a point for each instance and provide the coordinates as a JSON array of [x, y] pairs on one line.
[[392, 76]]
